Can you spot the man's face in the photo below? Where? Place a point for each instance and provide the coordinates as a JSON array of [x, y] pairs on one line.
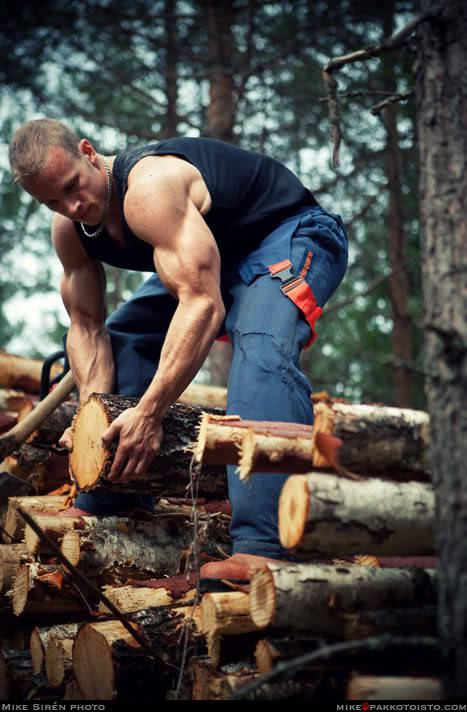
[[71, 186]]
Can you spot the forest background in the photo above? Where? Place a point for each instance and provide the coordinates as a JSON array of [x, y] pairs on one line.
[[249, 72]]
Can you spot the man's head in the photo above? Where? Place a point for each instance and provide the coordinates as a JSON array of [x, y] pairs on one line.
[[29, 147]]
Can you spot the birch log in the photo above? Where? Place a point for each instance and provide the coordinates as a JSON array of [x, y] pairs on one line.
[[14, 523], [378, 438], [168, 473], [309, 597], [323, 515]]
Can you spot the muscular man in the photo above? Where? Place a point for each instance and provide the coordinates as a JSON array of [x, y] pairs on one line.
[[237, 245]]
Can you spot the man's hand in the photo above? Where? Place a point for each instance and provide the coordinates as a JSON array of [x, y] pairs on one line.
[[66, 440], [139, 441]]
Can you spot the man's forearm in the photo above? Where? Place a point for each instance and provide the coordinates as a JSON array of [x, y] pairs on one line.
[[91, 359], [189, 338]]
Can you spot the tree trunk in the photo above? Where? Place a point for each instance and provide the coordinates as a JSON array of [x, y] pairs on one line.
[[308, 597], [442, 128], [221, 109], [401, 336], [168, 472], [327, 516]]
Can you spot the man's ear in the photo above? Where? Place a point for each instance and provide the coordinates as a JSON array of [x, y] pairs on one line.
[[87, 150]]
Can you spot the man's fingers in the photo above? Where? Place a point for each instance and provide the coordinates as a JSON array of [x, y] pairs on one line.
[[66, 441], [110, 434]]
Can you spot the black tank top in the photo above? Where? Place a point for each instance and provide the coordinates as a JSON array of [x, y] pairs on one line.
[[250, 195]]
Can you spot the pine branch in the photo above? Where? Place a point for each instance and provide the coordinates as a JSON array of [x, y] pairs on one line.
[[396, 40]]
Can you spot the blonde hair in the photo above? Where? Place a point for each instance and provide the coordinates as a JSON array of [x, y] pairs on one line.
[[29, 146]]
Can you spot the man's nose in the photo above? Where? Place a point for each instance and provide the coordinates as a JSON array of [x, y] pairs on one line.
[[73, 207]]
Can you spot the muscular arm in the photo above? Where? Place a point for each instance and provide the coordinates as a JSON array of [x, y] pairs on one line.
[[83, 294], [188, 262]]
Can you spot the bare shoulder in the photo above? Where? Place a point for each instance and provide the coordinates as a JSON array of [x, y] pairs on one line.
[[66, 242], [171, 178]]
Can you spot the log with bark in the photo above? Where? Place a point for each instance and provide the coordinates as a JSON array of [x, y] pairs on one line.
[[23, 373], [42, 589], [324, 515], [225, 614], [151, 543], [58, 655], [52, 428], [44, 467], [311, 597], [17, 678], [366, 687], [14, 524], [125, 669], [377, 439], [11, 555], [135, 598], [364, 439], [169, 472], [12, 400]]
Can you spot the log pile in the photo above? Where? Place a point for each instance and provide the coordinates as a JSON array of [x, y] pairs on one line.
[[345, 623]]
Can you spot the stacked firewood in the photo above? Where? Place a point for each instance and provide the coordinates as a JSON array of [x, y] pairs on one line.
[[336, 624]]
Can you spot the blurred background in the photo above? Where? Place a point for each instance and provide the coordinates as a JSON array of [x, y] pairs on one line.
[[249, 72]]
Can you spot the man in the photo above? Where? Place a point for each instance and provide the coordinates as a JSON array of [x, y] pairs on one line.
[[237, 245]]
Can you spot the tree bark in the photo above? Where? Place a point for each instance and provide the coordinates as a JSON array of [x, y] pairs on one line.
[[44, 467], [14, 525], [51, 430], [441, 95], [43, 589], [324, 515], [10, 557], [126, 671], [375, 440], [308, 597], [221, 109], [168, 472]]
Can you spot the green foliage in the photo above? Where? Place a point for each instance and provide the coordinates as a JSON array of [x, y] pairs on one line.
[[127, 72]]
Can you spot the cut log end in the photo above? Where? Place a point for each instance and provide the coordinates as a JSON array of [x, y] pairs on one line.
[[262, 598], [20, 590], [94, 643], [71, 546], [58, 658], [293, 509], [88, 455]]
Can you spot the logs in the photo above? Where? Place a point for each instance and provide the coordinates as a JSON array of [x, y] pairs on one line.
[[372, 440], [309, 597], [224, 614], [58, 656], [366, 687], [44, 467], [44, 589], [168, 472], [14, 523], [23, 373], [322, 515]]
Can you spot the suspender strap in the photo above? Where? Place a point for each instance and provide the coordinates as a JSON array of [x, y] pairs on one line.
[[298, 291]]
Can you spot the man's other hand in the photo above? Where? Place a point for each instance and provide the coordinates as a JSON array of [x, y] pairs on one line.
[[66, 440], [139, 440]]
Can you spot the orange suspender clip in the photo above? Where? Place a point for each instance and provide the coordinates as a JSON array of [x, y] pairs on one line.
[[298, 291]]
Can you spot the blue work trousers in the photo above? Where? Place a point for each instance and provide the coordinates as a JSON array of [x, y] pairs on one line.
[[267, 332]]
